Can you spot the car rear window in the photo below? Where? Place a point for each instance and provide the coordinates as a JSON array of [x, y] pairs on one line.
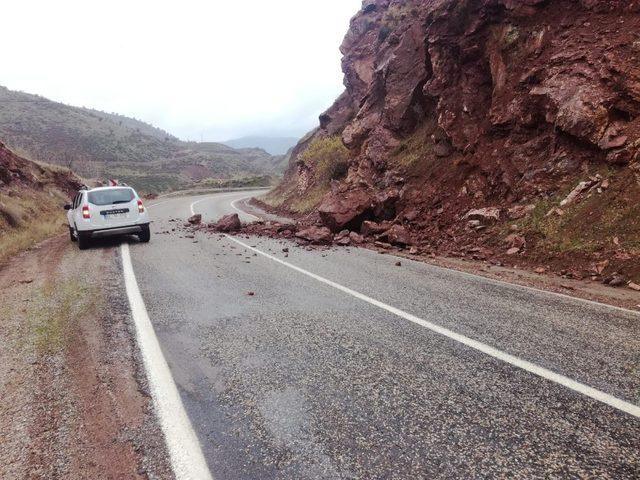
[[111, 196]]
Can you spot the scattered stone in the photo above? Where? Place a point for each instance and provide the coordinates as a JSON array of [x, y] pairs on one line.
[[413, 251], [540, 270], [520, 211], [195, 219], [27, 280], [356, 238], [577, 192], [251, 294], [396, 235], [486, 216], [285, 250], [616, 280], [228, 223], [634, 286], [316, 235], [513, 251], [398, 264], [555, 211]]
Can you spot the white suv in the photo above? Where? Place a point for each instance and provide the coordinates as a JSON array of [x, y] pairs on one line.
[[106, 211]]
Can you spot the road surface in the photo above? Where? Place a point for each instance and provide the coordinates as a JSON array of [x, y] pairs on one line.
[[313, 376]]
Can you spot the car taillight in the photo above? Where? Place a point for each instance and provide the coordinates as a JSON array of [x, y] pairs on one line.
[[85, 211], [140, 206]]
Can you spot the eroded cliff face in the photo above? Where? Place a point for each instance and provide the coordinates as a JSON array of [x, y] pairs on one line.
[[456, 105]]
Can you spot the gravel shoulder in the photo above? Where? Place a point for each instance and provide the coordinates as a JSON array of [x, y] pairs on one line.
[[75, 399]]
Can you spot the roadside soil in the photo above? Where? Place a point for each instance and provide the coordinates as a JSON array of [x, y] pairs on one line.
[[75, 399]]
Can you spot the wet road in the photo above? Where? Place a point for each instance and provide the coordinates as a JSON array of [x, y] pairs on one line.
[[305, 380]]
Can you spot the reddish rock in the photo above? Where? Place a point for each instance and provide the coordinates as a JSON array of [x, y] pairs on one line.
[[195, 219], [370, 228], [336, 212], [316, 235], [356, 238], [228, 223], [396, 235]]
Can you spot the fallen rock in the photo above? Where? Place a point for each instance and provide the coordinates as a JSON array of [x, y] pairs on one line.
[[356, 237], [486, 216], [520, 211], [195, 219], [577, 192], [634, 286], [396, 235], [513, 251], [515, 240], [338, 211], [398, 264], [228, 223], [316, 235], [369, 228], [615, 280]]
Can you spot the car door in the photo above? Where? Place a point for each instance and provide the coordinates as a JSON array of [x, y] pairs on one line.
[[71, 213]]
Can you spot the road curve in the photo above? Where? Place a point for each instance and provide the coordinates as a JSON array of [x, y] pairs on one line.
[[305, 380]]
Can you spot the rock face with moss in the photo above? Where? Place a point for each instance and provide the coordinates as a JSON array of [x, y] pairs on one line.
[[456, 105]]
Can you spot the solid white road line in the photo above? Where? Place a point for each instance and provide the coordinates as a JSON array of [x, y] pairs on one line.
[[186, 455], [469, 342], [209, 197]]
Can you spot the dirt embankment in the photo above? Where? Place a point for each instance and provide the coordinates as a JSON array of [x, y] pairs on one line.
[[31, 200], [74, 401], [470, 123]]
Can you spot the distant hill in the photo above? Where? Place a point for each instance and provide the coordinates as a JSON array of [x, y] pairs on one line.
[[271, 145], [107, 145]]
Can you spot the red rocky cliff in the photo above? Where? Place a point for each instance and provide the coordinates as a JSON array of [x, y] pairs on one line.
[[458, 105]]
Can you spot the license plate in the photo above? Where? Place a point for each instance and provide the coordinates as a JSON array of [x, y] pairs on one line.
[[116, 215]]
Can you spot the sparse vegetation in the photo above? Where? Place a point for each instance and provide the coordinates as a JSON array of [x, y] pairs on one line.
[[27, 219]]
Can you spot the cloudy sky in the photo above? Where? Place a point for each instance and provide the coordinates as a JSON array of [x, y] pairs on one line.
[[219, 69]]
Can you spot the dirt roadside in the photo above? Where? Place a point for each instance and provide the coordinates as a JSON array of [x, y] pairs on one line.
[[75, 401]]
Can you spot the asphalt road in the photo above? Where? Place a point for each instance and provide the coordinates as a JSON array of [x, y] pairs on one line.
[[303, 380]]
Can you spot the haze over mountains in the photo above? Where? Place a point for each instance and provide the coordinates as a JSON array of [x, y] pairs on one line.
[[272, 145], [106, 145]]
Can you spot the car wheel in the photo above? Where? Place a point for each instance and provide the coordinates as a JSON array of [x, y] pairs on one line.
[[145, 234], [83, 240], [72, 234]]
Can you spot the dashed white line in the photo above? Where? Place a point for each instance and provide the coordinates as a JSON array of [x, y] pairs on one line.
[[469, 342], [187, 460]]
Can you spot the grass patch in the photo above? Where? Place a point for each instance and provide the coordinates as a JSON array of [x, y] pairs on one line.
[[53, 311], [28, 219], [591, 224]]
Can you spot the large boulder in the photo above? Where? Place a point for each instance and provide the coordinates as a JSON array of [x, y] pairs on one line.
[[228, 223], [337, 211], [316, 235], [195, 219], [396, 235]]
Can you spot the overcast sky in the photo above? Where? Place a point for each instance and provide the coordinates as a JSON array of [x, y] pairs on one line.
[[218, 68]]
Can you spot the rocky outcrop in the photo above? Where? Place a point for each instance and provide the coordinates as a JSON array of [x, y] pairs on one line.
[[454, 106]]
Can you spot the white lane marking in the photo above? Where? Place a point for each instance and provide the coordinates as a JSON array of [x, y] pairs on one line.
[[233, 205], [159, 203], [193, 212], [186, 455], [586, 390], [208, 197]]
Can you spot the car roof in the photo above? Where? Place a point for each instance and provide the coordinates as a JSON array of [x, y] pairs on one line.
[[97, 189]]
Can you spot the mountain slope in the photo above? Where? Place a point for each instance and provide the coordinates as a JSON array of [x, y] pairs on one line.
[[98, 144], [454, 106]]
